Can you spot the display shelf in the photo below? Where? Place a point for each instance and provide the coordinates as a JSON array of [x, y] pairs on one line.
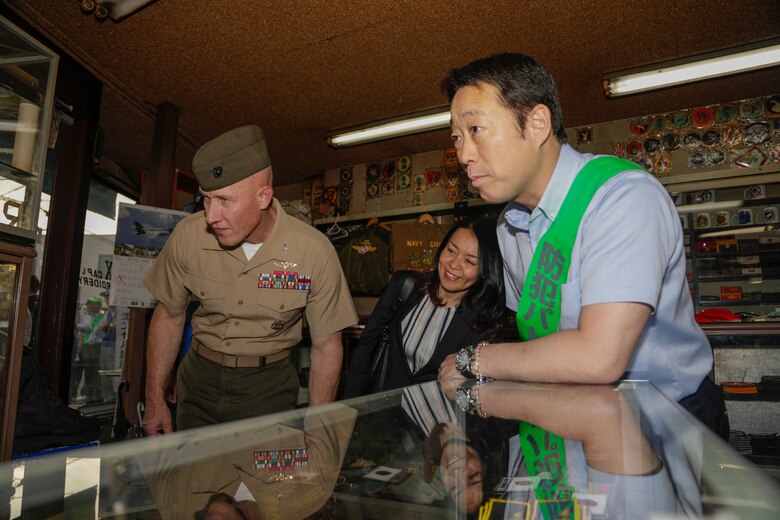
[[714, 278], [744, 229], [442, 208], [734, 303], [760, 396], [7, 171], [727, 177], [28, 72]]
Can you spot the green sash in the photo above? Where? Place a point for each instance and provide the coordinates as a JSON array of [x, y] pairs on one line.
[[539, 314]]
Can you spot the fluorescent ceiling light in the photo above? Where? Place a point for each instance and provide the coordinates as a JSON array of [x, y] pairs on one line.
[[688, 70], [406, 125]]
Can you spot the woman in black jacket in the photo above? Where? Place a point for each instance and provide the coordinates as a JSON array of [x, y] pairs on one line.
[[459, 303]]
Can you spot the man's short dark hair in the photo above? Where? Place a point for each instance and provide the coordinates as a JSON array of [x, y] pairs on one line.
[[522, 83], [35, 284]]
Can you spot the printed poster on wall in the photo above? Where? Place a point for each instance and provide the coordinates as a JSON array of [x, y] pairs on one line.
[[140, 236]]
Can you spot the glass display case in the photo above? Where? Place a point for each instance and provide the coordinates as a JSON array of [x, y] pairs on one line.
[[15, 271], [733, 246], [493, 450], [27, 77]]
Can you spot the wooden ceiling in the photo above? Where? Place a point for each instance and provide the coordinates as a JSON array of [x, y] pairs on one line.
[[300, 68]]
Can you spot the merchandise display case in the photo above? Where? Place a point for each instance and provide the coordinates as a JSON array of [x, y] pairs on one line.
[[733, 247], [427, 451], [15, 272], [27, 77]]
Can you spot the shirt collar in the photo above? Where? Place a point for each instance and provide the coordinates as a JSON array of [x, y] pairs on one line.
[[568, 166], [570, 162]]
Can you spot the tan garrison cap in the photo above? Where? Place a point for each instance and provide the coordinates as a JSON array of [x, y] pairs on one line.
[[231, 157]]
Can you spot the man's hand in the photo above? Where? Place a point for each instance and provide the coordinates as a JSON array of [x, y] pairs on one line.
[[447, 369], [450, 386], [165, 333], [157, 419]]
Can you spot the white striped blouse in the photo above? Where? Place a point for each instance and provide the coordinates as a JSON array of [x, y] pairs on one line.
[[422, 329]]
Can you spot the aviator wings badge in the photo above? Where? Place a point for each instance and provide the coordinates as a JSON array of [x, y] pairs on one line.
[[283, 264]]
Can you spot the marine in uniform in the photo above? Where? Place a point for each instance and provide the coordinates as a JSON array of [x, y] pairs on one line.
[[270, 469], [255, 271]]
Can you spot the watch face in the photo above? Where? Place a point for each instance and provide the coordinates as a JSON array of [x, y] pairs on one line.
[[462, 360], [463, 398]]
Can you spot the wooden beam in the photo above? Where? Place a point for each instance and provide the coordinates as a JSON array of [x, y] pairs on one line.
[[156, 190]]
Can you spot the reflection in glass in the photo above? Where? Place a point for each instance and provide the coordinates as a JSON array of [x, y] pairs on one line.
[[625, 452], [7, 290], [98, 338]]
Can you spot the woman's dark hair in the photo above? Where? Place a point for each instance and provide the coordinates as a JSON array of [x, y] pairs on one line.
[[202, 514], [485, 299], [488, 437], [522, 83]]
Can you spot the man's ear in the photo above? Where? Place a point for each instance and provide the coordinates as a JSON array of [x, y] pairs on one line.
[[539, 124], [266, 194]]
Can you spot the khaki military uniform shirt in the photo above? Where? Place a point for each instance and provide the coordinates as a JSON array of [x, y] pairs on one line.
[[254, 307], [182, 475]]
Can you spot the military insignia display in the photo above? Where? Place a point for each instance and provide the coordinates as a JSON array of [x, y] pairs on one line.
[[404, 164], [403, 182], [639, 126], [364, 247], [742, 133], [773, 105], [373, 174], [284, 280], [585, 135], [703, 117], [280, 460], [451, 158], [277, 325], [345, 190], [751, 109], [328, 201]]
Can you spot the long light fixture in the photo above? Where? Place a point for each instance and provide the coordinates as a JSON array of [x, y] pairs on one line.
[[389, 128], [695, 68]]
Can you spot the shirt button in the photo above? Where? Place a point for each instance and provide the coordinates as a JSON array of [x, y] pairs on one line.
[[235, 322], [281, 307], [241, 302], [202, 293], [227, 343]]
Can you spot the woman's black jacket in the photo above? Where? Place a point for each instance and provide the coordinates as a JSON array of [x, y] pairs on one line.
[[457, 336]]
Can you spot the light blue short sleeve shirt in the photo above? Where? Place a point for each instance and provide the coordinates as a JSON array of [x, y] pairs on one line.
[[629, 248]]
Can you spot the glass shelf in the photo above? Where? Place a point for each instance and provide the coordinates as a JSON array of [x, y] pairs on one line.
[[379, 456], [27, 77], [760, 396], [732, 278], [736, 303]]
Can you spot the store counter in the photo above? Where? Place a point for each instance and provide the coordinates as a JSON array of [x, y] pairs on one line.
[[496, 450]]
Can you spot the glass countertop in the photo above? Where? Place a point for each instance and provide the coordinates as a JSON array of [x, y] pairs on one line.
[[494, 450]]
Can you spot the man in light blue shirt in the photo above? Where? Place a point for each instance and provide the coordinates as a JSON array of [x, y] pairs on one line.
[[625, 307]]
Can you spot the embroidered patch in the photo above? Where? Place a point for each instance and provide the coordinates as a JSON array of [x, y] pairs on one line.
[[364, 247], [284, 280], [279, 460]]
